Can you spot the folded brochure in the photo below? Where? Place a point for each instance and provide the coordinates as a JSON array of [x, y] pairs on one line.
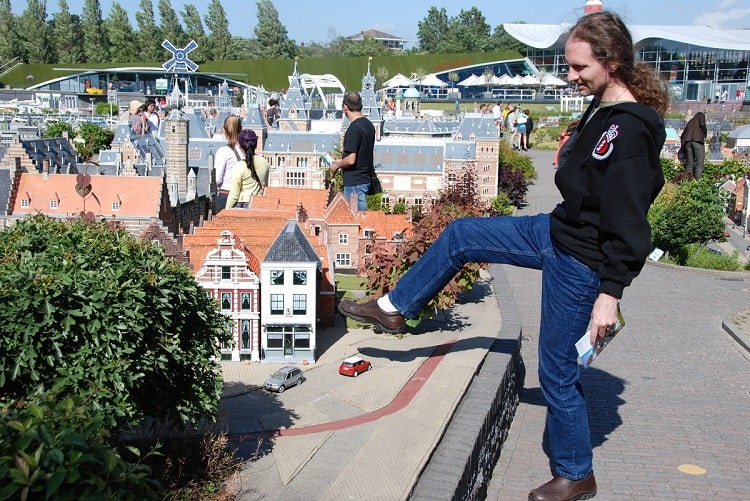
[[588, 353]]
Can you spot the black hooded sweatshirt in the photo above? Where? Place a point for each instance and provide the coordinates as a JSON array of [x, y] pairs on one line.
[[609, 175]]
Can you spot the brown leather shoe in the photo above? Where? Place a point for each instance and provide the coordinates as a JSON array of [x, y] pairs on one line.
[[563, 489], [370, 313]]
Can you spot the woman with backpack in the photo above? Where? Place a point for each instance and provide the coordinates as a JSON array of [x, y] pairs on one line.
[[249, 177]]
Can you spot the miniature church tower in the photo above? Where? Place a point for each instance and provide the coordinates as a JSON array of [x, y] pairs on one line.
[[370, 107], [176, 136], [295, 110]]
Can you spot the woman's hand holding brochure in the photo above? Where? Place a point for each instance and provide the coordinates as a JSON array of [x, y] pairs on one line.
[[588, 352]]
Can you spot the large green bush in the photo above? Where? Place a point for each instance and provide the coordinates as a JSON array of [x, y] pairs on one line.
[[689, 213], [88, 307]]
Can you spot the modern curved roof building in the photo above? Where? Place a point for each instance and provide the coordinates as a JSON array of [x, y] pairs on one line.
[[697, 61]]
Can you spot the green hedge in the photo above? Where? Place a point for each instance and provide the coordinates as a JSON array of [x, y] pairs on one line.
[[274, 74]]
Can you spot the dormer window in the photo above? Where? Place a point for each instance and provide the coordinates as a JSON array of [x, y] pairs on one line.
[[25, 203], [115, 206], [54, 204]]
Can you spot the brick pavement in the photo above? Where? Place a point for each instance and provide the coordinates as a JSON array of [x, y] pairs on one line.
[[670, 397]]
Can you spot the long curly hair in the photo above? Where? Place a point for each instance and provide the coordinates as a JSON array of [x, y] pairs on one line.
[[612, 44]]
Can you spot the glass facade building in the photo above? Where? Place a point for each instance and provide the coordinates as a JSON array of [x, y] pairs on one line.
[[698, 62]]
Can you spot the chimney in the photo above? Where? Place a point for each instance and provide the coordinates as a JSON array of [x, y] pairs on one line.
[[354, 203], [592, 6]]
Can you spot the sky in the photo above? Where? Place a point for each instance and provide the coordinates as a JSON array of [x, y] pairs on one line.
[[314, 21]]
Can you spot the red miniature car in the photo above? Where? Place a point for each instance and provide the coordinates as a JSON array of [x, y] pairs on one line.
[[354, 366]]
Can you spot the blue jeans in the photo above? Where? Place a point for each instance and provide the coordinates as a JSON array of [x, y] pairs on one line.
[[569, 289], [220, 203], [361, 191]]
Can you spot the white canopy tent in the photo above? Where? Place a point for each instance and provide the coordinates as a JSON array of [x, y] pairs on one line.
[[472, 80], [398, 80], [431, 81], [554, 81], [505, 79]]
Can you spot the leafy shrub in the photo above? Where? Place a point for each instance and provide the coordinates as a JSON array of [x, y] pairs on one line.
[[733, 168], [385, 266], [95, 138], [54, 447], [502, 205], [702, 257], [671, 169], [399, 208], [56, 129], [515, 173], [510, 159], [689, 213], [84, 302], [513, 185]]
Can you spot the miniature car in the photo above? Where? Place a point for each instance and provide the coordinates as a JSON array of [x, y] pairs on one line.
[[284, 378], [354, 366]]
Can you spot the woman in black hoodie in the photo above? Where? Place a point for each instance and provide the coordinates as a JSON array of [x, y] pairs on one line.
[[692, 142], [589, 248]]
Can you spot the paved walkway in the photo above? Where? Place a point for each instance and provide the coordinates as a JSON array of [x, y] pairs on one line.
[[668, 399]]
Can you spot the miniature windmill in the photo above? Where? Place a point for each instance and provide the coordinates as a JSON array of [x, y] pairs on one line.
[[180, 63]]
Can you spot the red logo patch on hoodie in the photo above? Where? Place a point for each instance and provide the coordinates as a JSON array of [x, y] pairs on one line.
[[605, 145]]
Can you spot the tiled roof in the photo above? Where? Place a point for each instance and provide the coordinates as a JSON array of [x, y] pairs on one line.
[[258, 229], [291, 246], [385, 225], [135, 196], [339, 212], [287, 199]]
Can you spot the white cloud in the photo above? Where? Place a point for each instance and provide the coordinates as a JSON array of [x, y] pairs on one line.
[[726, 14]]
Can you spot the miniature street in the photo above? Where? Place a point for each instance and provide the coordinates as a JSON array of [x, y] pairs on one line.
[[665, 398]]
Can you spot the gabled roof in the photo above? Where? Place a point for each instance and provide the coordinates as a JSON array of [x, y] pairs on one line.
[[339, 212], [257, 230], [292, 246], [135, 196], [61, 155]]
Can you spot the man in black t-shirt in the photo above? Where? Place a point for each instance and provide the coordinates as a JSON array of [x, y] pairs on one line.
[[359, 142]]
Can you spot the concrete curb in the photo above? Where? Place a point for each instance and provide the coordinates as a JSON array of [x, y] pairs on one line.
[[739, 335], [462, 463]]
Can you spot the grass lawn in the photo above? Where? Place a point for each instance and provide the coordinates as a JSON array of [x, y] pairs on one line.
[[349, 282]]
